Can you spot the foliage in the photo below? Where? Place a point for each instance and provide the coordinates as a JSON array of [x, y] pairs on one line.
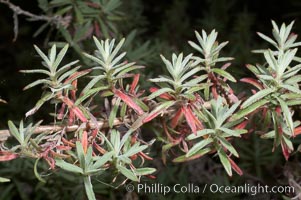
[[195, 110]]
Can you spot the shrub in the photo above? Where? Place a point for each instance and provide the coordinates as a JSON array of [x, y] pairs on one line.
[[98, 131]]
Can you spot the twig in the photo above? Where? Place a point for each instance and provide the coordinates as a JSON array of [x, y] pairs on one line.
[[4, 134], [56, 19]]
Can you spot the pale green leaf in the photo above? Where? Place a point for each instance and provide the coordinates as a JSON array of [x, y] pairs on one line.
[[127, 173], [258, 96], [68, 167], [198, 146]]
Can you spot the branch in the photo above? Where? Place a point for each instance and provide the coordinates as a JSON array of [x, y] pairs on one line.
[[56, 19], [4, 134]]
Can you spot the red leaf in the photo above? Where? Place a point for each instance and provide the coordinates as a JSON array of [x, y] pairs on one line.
[[8, 156], [145, 156], [253, 82], [214, 92], [94, 133], [134, 157], [189, 118], [71, 118], [73, 92], [197, 121], [151, 176], [242, 125], [235, 167], [297, 131], [134, 83], [152, 116], [62, 147], [79, 114], [176, 118], [61, 112], [233, 97], [85, 141], [192, 121], [278, 110], [225, 66], [163, 96], [253, 91], [75, 75], [129, 101], [100, 149], [67, 142], [93, 5], [285, 150], [97, 29]]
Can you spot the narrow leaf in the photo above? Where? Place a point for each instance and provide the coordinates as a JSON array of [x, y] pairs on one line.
[[129, 101]]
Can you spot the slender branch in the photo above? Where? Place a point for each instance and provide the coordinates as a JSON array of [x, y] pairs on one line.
[[4, 134], [56, 19]]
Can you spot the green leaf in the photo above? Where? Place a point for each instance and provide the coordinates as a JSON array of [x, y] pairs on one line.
[[228, 146], [89, 93], [95, 59], [80, 154], [293, 80], [36, 173], [89, 188], [225, 116], [115, 140], [68, 167], [287, 115], [37, 82], [291, 88], [60, 57], [144, 171], [127, 173], [32, 71], [52, 55], [198, 146], [278, 136], [200, 134], [14, 131], [125, 137], [231, 132], [135, 149], [195, 46], [190, 73], [242, 113], [65, 68], [45, 97], [268, 39], [93, 82], [198, 154], [225, 161], [268, 135], [257, 97], [43, 56], [125, 68], [224, 74], [159, 92], [100, 161], [117, 48], [162, 79], [159, 109], [113, 113], [124, 159], [293, 102], [3, 180], [140, 103]]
